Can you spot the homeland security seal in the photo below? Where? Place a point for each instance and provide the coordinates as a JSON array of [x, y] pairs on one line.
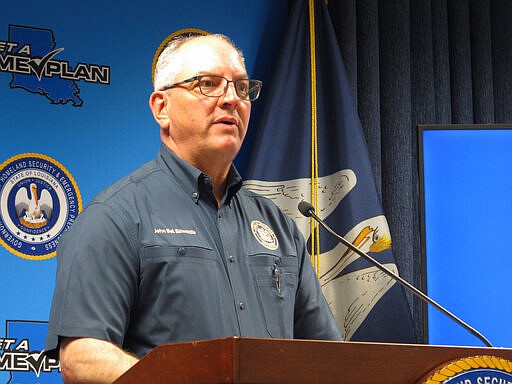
[[39, 200], [472, 370]]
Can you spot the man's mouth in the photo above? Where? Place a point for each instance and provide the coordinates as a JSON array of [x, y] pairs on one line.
[[226, 120]]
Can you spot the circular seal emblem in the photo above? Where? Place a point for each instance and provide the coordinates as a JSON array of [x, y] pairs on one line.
[[39, 200], [264, 235], [475, 369]]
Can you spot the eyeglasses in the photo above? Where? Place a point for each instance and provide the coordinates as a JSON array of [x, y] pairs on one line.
[[216, 86]]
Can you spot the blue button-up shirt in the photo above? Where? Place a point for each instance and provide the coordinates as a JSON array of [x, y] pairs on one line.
[[153, 260]]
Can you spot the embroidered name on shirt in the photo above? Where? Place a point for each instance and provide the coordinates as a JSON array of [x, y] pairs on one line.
[[175, 231]]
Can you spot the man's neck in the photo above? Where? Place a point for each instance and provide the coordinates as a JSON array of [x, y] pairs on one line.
[[215, 166]]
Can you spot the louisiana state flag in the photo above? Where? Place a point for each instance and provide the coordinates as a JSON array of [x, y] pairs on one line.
[[310, 146]]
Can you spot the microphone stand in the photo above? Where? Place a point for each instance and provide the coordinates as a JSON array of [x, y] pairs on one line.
[[307, 210]]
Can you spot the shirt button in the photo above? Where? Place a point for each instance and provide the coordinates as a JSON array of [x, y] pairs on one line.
[[242, 305], [231, 258], [182, 251], [194, 195]]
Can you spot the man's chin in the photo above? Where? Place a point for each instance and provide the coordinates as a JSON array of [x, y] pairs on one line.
[[229, 145]]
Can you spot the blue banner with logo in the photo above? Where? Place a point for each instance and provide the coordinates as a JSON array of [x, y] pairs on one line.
[[310, 146], [75, 79]]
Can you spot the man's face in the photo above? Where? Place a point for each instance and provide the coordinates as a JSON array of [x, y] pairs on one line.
[[201, 128]]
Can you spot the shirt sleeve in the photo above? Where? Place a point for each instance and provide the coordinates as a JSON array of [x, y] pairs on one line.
[[97, 276], [313, 316]]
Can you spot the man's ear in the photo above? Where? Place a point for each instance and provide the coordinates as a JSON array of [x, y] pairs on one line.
[[158, 102]]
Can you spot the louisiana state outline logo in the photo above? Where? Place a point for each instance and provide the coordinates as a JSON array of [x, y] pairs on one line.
[[32, 57], [39, 200]]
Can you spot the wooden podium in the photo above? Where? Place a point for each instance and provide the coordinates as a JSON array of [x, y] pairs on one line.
[[248, 360]]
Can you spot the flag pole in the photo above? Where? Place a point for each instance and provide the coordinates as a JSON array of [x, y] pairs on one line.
[[315, 228]]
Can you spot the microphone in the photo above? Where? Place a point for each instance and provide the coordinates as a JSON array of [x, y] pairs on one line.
[[309, 211]]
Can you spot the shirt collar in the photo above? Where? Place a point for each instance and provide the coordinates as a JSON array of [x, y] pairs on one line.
[[234, 183], [192, 180]]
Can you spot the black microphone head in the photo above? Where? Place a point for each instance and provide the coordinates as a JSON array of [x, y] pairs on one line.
[[306, 208]]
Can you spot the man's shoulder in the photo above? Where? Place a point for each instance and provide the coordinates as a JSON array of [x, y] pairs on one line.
[[256, 197], [124, 199], [129, 185], [262, 203]]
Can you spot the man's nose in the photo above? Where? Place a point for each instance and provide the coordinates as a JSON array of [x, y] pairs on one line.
[[230, 94]]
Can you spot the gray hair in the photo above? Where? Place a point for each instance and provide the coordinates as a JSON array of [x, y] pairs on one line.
[[170, 62]]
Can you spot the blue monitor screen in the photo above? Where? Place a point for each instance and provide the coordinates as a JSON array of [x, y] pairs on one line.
[[466, 188]]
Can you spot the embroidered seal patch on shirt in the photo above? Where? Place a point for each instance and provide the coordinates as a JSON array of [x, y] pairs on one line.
[[264, 235]]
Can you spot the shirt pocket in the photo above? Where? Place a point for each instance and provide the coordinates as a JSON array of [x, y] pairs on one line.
[[182, 275], [276, 279]]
